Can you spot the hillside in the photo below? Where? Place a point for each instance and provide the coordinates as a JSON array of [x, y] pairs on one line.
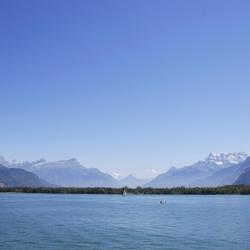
[[14, 177]]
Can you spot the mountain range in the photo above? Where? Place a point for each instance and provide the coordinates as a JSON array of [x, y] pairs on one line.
[[69, 173], [215, 170], [16, 177], [133, 182]]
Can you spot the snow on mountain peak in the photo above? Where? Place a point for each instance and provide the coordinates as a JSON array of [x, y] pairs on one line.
[[226, 158]]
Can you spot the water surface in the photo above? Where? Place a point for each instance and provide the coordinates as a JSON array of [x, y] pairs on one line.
[[41, 221]]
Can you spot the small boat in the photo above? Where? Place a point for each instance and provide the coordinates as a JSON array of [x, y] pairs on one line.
[[163, 202], [124, 192]]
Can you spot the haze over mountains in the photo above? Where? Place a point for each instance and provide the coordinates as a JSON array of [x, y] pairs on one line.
[[16, 177], [133, 182], [207, 173], [69, 173], [244, 178], [216, 170]]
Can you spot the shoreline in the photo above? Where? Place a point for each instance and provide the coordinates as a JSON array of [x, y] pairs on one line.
[[222, 190]]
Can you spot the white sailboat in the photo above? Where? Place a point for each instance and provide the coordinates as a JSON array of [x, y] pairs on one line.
[[124, 192]]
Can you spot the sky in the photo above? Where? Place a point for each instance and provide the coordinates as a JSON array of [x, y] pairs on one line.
[[125, 86]]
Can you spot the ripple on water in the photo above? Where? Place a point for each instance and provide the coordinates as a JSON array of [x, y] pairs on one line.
[[39, 221]]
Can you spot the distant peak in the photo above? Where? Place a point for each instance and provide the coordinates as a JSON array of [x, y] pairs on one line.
[[3, 161], [69, 161], [41, 161], [72, 160], [226, 158], [116, 175], [130, 175]]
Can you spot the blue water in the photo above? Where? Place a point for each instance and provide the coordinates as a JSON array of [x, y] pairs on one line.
[[41, 221]]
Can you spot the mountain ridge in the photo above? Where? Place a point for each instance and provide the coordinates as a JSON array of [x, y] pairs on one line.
[[133, 182], [193, 174], [216, 169], [244, 178], [69, 173], [16, 177]]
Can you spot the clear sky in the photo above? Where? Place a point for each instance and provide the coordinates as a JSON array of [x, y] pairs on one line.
[[124, 86]]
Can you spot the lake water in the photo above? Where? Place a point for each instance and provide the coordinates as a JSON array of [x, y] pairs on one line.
[[41, 221]]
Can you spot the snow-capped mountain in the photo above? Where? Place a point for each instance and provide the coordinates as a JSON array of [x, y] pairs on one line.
[[68, 173], [225, 176], [216, 169], [225, 159], [194, 175]]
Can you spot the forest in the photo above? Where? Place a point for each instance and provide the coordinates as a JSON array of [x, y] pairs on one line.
[[222, 190]]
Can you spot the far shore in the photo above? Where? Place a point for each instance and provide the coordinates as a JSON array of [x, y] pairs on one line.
[[222, 190]]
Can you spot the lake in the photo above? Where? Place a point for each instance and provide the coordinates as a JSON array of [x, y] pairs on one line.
[[41, 221]]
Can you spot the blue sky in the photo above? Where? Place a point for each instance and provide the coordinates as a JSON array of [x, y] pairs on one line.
[[125, 86]]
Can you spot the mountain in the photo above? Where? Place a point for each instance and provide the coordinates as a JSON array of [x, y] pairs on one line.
[[244, 178], [227, 159], [14, 177], [225, 176], [194, 175], [3, 162], [133, 182], [69, 173], [215, 170]]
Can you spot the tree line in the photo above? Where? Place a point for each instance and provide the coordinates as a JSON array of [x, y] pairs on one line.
[[230, 189]]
